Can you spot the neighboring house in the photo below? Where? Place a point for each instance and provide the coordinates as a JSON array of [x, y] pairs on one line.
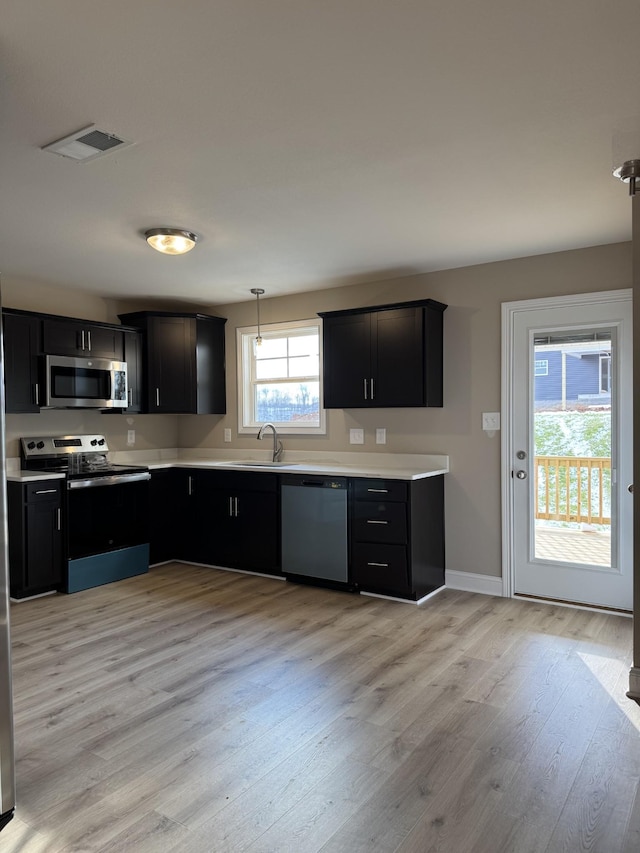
[[576, 373]]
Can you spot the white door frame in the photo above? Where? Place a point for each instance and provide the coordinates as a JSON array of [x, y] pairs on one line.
[[509, 311]]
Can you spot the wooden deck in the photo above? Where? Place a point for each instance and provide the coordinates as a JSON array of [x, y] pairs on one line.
[[573, 546], [200, 711]]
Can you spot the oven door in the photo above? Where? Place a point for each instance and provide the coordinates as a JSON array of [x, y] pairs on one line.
[[107, 516], [88, 383]]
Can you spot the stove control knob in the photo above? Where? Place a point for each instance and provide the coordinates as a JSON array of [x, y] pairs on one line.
[[101, 442], [31, 445], [40, 445], [93, 442]]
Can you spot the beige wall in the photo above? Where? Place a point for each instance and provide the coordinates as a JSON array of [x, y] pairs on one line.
[[472, 378]]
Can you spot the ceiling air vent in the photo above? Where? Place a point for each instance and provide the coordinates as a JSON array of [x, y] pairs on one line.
[[86, 144]]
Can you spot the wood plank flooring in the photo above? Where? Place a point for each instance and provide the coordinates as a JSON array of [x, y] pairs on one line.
[[200, 711]]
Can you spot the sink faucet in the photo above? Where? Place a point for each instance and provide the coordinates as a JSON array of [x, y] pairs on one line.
[[277, 445]]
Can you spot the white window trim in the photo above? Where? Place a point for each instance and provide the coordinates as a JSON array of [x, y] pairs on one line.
[[243, 389]]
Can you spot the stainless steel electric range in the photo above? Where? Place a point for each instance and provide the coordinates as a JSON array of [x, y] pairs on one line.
[[106, 509]]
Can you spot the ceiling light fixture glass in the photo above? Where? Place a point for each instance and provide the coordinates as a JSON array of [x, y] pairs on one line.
[[171, 241], [629, 173], [258, 292]]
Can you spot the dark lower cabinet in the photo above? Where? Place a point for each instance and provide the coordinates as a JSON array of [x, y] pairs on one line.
[[236, 517], [36, 548], [217, 518], [397, 536]]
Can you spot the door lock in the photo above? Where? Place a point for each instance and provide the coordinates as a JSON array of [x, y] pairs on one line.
[[521, 475], [521, 454]]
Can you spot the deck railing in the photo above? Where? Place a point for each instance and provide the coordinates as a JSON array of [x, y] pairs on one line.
[[573, 488]]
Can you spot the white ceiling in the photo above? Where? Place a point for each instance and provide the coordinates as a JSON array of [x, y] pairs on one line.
[[310, 143]]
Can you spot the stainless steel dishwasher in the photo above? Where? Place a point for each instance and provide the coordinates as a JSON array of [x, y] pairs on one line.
[[314, 527]]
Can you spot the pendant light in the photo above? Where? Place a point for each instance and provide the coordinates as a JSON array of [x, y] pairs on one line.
[[258, 292], [171, 241]]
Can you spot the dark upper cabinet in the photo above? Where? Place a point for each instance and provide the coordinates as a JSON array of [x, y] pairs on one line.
[[22, 348], [183, 358], [133, 359], [386, 356], [77, 337]]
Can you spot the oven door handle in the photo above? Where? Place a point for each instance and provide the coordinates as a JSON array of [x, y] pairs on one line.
[[115, 480]]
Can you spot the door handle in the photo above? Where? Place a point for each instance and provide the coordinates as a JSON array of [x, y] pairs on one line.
[[59, 514], [158, 398], [190, 485], [230, 507], [630, 488], [36, 390], [373, 393], [365, 389], [82, 339], [89, 341], [521, 475], [235, 504]]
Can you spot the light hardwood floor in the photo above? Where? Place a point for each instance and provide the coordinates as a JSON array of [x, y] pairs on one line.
[[205, 711]]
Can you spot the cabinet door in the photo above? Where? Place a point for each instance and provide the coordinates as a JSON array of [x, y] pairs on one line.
[[22, 342], [71, 337], [398, 357], [347, 361], [44, 545], [171, 365], [165, 514], [133, 359], [257, 536]]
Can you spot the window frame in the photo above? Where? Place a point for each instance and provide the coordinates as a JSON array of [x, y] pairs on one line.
[[245, 381]]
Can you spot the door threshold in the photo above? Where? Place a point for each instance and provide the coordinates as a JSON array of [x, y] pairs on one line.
[[577, 605]]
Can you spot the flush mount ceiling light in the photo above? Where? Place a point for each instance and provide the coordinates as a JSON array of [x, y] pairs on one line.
[[258, 292], [171, 241]]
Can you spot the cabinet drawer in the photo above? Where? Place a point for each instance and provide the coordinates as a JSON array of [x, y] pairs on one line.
[[45, 490], [381, 568], [379, 522], [376, 490]]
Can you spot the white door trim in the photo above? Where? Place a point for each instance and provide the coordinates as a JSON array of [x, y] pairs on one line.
[[509, 311]]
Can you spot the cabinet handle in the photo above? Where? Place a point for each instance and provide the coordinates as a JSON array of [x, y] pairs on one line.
[[59, 518], [46, 491], [371, 521], [158, 397], [89, 341], [190, 484], [235, 504], [82, 339], [381, 565], [373, 393], [365, 389], [36, 393], [379, 491], [230, 507]]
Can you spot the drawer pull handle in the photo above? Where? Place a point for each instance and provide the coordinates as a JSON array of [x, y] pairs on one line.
[[46, 492], [371, 521], [379, 491], [381, 565]]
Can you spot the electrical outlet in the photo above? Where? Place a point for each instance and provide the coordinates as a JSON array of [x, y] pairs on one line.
[[490, 421], [356, 436], [227, 435], [131, 437], [381, 436]]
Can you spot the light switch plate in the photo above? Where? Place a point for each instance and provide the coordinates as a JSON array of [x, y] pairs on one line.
[[490, 421], [381, 435], [131, 437], [227, 435], [356, 436]]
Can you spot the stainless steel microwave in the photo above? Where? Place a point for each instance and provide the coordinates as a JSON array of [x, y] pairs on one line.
[[85, 383]]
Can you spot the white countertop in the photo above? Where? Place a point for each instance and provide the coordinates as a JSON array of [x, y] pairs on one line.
[[392, 466]]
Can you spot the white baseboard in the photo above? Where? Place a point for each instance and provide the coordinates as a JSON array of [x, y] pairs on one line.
[[471, 582]]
